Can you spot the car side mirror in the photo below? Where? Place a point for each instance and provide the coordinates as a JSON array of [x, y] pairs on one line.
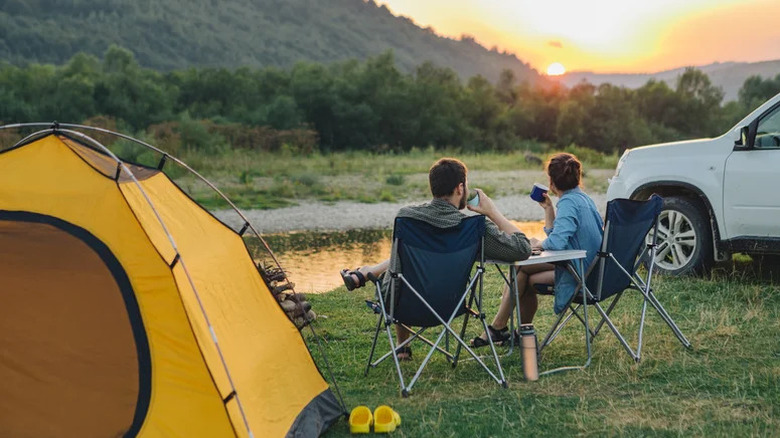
[[744, 133], [747, 136]]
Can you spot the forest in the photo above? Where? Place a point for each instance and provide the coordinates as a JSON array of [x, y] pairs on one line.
[[370, 105], [175, 34]]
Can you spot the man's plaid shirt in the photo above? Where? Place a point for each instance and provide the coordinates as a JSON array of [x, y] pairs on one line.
[[498, 244]]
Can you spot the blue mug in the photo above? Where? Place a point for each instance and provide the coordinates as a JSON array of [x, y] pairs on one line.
[[538, 191]]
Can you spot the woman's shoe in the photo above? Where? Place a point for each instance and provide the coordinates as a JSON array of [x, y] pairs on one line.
[[406, 351], [360, 420], [498, 337], [385, 419], [349, 282]]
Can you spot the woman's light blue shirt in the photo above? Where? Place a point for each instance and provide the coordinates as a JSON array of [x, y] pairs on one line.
[[577, 225]]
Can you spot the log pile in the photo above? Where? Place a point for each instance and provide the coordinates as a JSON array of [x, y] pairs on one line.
[[294, 304]]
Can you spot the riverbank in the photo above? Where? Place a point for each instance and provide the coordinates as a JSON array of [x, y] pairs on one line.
[[348, 215]]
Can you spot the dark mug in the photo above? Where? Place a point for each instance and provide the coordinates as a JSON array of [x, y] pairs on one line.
[[538, 191]]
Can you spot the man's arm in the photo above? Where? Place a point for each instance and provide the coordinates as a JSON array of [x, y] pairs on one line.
[[487, 207], [503, 239]]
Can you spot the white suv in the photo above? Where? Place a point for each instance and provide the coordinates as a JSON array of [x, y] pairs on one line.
[[721, 195]]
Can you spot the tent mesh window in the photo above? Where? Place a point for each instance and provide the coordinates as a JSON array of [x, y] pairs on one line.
[[66, 325]]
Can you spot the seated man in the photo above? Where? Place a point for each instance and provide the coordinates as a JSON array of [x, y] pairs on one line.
[[449, 186]]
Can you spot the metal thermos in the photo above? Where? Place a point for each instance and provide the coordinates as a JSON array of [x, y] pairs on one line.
[[529, 348]]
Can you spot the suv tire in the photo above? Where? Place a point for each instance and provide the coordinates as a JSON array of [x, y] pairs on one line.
[[684, 238]]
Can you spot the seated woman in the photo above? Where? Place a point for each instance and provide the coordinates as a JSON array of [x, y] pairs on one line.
[[577, 225]]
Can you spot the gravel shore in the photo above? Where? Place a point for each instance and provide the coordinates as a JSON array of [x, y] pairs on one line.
[[345, 215]]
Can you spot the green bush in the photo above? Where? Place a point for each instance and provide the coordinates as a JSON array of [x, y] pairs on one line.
[[395, 179]]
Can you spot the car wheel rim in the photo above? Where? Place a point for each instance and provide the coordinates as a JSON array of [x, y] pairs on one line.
[[676, 242]]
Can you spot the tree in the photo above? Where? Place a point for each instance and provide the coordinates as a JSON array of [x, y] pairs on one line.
[[756, 91], [699, 104], [437, 98], [573, 120]]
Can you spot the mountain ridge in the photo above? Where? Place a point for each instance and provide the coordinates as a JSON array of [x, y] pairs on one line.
[[729, 75], [176, 34]]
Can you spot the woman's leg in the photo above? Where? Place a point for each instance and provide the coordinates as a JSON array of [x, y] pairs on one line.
[[508, 301], [528, 307], [528, 300]]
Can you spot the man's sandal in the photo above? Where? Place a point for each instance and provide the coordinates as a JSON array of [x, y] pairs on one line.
[[349, 282], [498, 336]]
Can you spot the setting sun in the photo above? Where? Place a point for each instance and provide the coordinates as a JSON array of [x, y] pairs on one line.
[[626, 36], [555, 69]]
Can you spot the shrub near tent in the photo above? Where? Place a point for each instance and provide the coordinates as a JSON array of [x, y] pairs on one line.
[[126, 309]]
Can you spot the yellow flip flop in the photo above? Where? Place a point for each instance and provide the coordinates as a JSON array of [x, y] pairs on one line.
[[385, 419], [360, 420]]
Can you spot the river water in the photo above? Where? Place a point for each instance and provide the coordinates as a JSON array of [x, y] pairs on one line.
[[313, 259]]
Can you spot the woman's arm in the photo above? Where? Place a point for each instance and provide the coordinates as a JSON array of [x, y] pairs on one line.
[[564, 225], [549, 211]]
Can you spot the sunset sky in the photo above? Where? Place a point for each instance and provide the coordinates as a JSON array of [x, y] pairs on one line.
[[627, 36]]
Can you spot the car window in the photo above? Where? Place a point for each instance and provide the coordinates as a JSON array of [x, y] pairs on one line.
[[768, 133]]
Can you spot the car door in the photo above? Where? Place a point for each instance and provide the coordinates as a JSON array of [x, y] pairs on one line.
[[751, 192]]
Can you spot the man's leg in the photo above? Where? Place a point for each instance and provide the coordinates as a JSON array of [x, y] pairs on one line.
[[403, 334], [377, 270]]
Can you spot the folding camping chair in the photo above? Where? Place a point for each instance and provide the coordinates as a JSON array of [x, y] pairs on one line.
[[432, 285], [614, 270]]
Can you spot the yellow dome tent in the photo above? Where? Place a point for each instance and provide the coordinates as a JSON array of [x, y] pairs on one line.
[[127, 309]]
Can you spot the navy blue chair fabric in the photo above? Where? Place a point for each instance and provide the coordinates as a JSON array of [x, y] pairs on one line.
[[437, 262], [614, 270], [627, 224]]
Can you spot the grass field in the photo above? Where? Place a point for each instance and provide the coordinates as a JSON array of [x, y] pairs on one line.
[[728, 384], [264, 180]]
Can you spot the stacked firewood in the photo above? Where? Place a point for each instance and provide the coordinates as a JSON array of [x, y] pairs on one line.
[[294, 304]]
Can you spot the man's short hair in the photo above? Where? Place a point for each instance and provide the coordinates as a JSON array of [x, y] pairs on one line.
[[445, 175]]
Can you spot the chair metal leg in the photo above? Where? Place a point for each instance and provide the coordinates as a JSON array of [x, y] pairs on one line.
[[615, 331], [502, 378], [385, 318], [373, 345], [644, 288], [609, 311], [648, 292], [582, 320], [641, 330], [515, 291], [447, 331], [463, 330], [583, 289], [415, 335], [559, 325], [668, 319]]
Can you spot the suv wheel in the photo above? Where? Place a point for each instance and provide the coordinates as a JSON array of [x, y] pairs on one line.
[[684, 238]]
